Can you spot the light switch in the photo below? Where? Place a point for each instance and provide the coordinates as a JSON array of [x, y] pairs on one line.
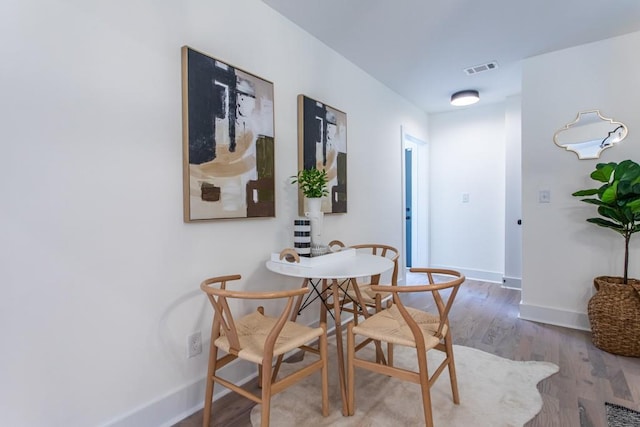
[[544, 196]]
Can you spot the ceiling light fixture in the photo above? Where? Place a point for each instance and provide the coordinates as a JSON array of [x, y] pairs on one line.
[[465, 97]]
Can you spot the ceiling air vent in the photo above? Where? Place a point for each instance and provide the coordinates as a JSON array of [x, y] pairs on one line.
[[480, 68]]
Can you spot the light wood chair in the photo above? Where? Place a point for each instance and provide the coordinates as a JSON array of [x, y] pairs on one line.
[[365, 297], [414, 328], [259, 339], [363, 300]]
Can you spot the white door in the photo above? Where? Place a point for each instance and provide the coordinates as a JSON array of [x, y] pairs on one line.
[[513, 195]]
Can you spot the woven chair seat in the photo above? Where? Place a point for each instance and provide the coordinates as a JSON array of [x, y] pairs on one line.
[[389, 326], [253, 330]]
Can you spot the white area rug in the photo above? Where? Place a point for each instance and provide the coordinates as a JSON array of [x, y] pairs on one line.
[[494, 392]]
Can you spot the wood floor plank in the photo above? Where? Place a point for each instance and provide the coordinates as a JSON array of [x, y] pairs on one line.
[[548, 416], [634, 385], [630, 365], [591, 414], [485, 316], [620, 386]]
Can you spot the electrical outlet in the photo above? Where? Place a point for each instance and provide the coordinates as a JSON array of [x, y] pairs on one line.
[[194, 344]]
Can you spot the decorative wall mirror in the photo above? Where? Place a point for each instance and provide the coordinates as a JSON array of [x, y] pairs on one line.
[[589, 134]]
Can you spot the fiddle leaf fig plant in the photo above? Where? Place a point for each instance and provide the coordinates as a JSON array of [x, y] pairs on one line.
[[312, 182], [618, 200]]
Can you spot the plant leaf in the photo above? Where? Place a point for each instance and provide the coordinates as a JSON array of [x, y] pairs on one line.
[[595, 202], [589, 192], [609, 195], [634, 205], [607, 224], [603, 172], [611, 213]]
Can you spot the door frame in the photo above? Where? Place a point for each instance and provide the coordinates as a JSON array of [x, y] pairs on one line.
[[420, 197]]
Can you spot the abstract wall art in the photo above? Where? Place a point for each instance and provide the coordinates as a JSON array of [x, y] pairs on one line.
[[322, 144], [228, 140]]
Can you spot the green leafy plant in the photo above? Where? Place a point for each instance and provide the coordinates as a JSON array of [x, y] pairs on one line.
[[618, 200], [312, 182]]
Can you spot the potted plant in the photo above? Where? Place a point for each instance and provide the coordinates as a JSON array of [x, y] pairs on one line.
[[312, 182], [614, 311]]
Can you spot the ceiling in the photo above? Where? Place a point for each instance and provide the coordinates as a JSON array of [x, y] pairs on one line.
[[420, 48]]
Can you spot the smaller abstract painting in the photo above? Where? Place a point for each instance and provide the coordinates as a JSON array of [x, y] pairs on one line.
[[228, 140], [322, 144]]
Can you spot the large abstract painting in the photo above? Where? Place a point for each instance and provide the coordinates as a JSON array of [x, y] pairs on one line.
[[228, 140], [322, 144]]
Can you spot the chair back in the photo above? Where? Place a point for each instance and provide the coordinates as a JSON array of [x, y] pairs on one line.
[[385, 251]]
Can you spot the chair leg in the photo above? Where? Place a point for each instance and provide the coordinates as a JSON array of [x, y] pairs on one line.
[[356, 312], [208, 395], [276, 368], [452, 368], [266, 394], [389, 345], [323, 307], [350, 370], [424, 386], [260, 310], [325, 371]]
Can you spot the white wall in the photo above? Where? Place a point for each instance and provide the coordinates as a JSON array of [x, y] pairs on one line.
[[99, 273], [467, 155], [561, 252]]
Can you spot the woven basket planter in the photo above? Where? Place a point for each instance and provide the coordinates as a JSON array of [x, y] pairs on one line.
[[614, 313]]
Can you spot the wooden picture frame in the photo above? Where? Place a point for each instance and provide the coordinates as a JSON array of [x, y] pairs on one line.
[[322, 144], [227, 139]]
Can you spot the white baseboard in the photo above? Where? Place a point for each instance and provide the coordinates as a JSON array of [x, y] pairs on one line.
[[186, 400], [554, 316], [482, 275], [512, 283], [176, 405]]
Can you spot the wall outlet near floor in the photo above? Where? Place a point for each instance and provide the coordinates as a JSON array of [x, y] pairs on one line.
[[194, 344]]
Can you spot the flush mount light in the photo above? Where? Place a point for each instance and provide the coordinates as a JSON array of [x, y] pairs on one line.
[[465, 97]]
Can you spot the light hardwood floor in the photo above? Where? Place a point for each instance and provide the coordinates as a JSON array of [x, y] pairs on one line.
[[485, 316]]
